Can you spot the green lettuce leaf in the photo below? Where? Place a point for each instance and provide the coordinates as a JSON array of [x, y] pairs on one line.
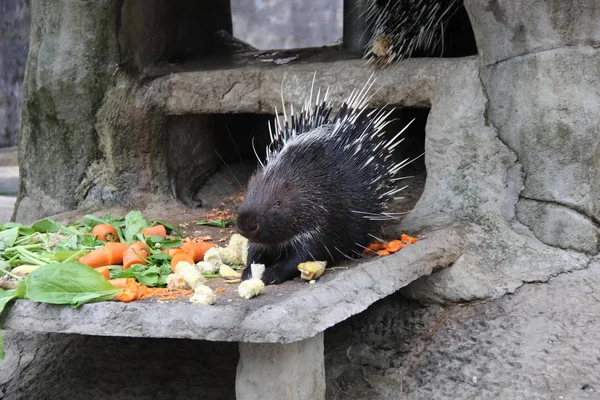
[[71, 283]]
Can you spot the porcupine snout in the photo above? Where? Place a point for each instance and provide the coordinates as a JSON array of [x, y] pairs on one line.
[[247, 223]]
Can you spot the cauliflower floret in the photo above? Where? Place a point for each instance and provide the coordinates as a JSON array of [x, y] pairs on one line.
[[175, 281], [203, 295], [207, 267], [250, 288], [189, 273], [236, 252], [213, 256]]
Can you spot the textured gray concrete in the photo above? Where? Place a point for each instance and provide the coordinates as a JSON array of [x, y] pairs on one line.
[[303, 312], [293, 371]]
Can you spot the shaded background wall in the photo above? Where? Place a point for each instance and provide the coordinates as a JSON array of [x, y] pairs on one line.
[[265, 24], [14, 34], [286, 24]]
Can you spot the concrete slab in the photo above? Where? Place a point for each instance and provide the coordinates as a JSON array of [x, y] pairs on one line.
[[303, 312]]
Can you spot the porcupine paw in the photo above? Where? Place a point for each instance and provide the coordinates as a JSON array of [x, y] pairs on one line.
[[279, 273], [247, 273]]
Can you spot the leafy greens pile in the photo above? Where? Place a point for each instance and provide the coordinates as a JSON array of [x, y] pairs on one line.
[[56, 248]]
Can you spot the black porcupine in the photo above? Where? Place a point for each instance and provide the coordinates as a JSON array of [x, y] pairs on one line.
[[401, 27], [323, 189]]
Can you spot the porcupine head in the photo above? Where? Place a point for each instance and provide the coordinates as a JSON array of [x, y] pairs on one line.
[[322, 189]]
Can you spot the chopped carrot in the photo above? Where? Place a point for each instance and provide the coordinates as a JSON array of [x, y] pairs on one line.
[[157, 230], [196, 250], [373, 247], [394, 246], [119, 282], [408, 239], [221, 290], [106, 233], [110, 254], [131, 291], [136, 253], [115, 252], [180, 257], [172, 252], [104, 271]]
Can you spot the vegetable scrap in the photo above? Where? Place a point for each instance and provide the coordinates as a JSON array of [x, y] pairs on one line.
[[106, 233], [219, 218], [251, 288], [393, 246], [312, 270]]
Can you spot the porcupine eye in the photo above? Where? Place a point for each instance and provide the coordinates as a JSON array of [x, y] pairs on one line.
[[277, 203]]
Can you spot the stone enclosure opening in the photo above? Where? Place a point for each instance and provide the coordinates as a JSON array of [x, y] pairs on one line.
[[225, 149]]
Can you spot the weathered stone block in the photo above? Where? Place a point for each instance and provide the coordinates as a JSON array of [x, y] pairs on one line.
[[292, 371]]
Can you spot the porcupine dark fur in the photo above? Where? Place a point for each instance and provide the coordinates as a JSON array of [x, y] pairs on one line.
[[323, 190], [402, 27]]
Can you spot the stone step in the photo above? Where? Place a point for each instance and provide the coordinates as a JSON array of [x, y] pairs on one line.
[[253, 83]]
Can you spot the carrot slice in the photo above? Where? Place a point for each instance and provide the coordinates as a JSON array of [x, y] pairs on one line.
[[106, 233], [95, 258], [131, 291], [196, 250], [158, 230], [136, 253], [408, 239], [394, 246], [114, 252], [172, 252], [104, 271], [119, 282], [180, 257]]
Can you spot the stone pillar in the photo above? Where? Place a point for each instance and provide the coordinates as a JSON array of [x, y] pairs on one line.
[[293, 371]]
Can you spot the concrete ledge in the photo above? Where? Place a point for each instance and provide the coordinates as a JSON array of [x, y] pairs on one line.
[[253, 83], [305, 312]]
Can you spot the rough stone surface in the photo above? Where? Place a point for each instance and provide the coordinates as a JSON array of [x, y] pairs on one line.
[[559, 226], [302, 313], [507, 29], [91, 134], [14, 35], [256, 85], [551, 125], [61, 98], [91, 367], [294, 371], [539, 343]]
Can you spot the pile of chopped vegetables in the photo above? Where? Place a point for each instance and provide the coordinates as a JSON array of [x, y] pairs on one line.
[[103, 258]]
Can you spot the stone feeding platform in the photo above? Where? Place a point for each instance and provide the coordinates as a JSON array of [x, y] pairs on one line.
[[280, 333]]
